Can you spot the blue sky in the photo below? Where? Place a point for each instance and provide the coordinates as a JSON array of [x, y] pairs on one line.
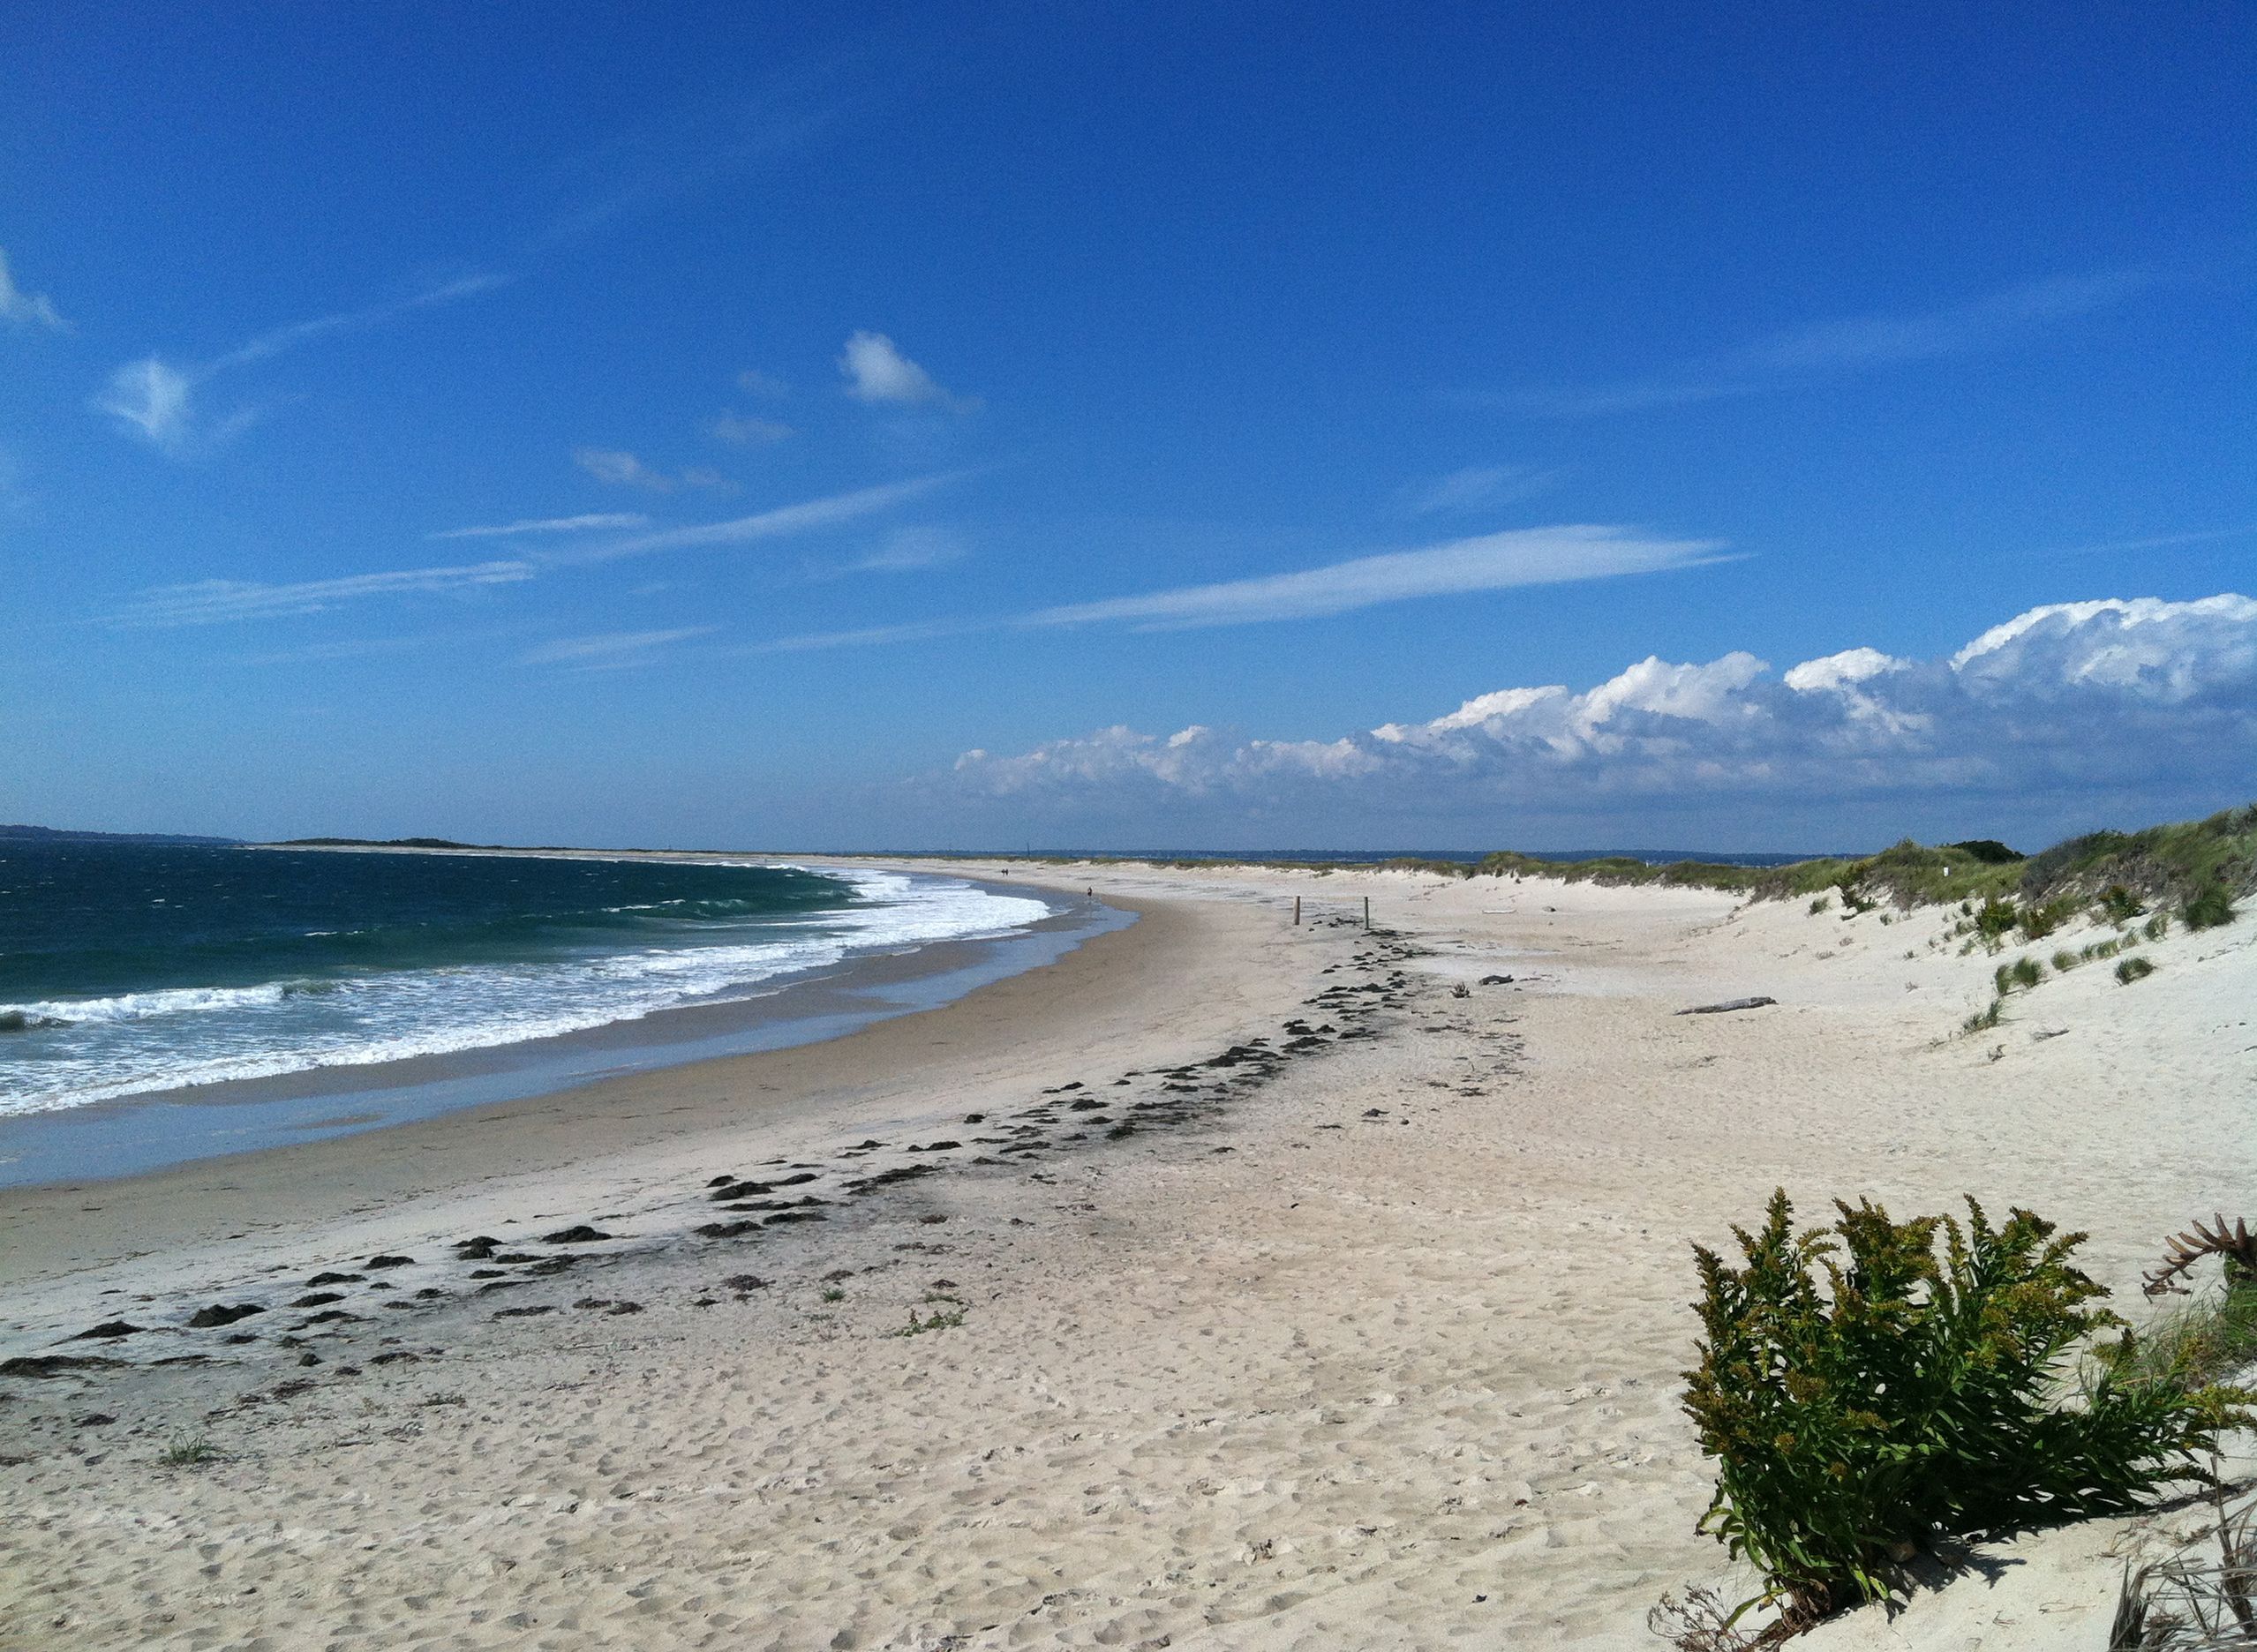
[[707, 425]]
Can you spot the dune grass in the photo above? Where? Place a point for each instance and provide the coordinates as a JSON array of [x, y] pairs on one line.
[[2207, 1339]]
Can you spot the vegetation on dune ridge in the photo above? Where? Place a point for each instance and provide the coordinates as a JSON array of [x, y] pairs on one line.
[[2197, 868]]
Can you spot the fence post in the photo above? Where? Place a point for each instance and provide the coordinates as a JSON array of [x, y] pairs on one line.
[[1367, 912], [1297, 911]]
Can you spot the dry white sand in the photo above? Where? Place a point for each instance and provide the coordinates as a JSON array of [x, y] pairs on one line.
[[1379, 1351]]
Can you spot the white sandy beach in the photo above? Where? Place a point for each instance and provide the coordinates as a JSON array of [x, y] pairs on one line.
[[1372, 1345]]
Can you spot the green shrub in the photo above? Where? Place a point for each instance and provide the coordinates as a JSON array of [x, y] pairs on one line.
[[2064, 960], [1988, 851], [2156, 927], [2118, 905], [1820, 904], [2134, 969], [2208, 907], [1861, 1396], [1994, 917]]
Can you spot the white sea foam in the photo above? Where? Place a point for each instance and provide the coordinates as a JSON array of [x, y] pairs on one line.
[[99, 1049]]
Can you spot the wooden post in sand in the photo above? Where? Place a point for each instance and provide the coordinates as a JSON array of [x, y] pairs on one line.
[[1367, 912], [1297, 911]]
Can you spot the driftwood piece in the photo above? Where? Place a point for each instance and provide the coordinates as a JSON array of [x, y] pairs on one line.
[[1728, 1004]]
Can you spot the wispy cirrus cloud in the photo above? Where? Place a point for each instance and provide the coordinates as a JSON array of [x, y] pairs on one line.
[[26, 309], [215, 600], [869, 636], [596, 522], [1488, 562], [611, 649], [907, 550], [151, 398], [2158, 542], [297, 333], [1841, 344], [155, 400]]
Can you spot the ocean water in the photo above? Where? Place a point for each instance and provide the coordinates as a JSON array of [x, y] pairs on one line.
[[129, 969]]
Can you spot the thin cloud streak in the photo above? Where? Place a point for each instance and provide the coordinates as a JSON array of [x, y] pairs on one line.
[[1838, 345], [215, 600], [2159, 542], [770, 524], [1498, 561], [611, 647], [1490, 562], [919, 631], [297, 333], [548, 525]]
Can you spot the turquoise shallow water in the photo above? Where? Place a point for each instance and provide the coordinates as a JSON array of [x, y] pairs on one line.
[[131, 969]]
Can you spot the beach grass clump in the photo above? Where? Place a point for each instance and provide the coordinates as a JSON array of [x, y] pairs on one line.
[[2209, 1339], [940, 1320], [188, 1453], [2036, 921], [1862, 1395], [2133, 969], [2023, 972], [2208, 907], [2156, 927]]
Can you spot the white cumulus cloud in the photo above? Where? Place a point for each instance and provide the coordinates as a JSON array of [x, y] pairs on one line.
[[877, 372], [2091, 695]]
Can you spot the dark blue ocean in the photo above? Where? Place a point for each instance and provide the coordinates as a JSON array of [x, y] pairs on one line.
[[129, 968]]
